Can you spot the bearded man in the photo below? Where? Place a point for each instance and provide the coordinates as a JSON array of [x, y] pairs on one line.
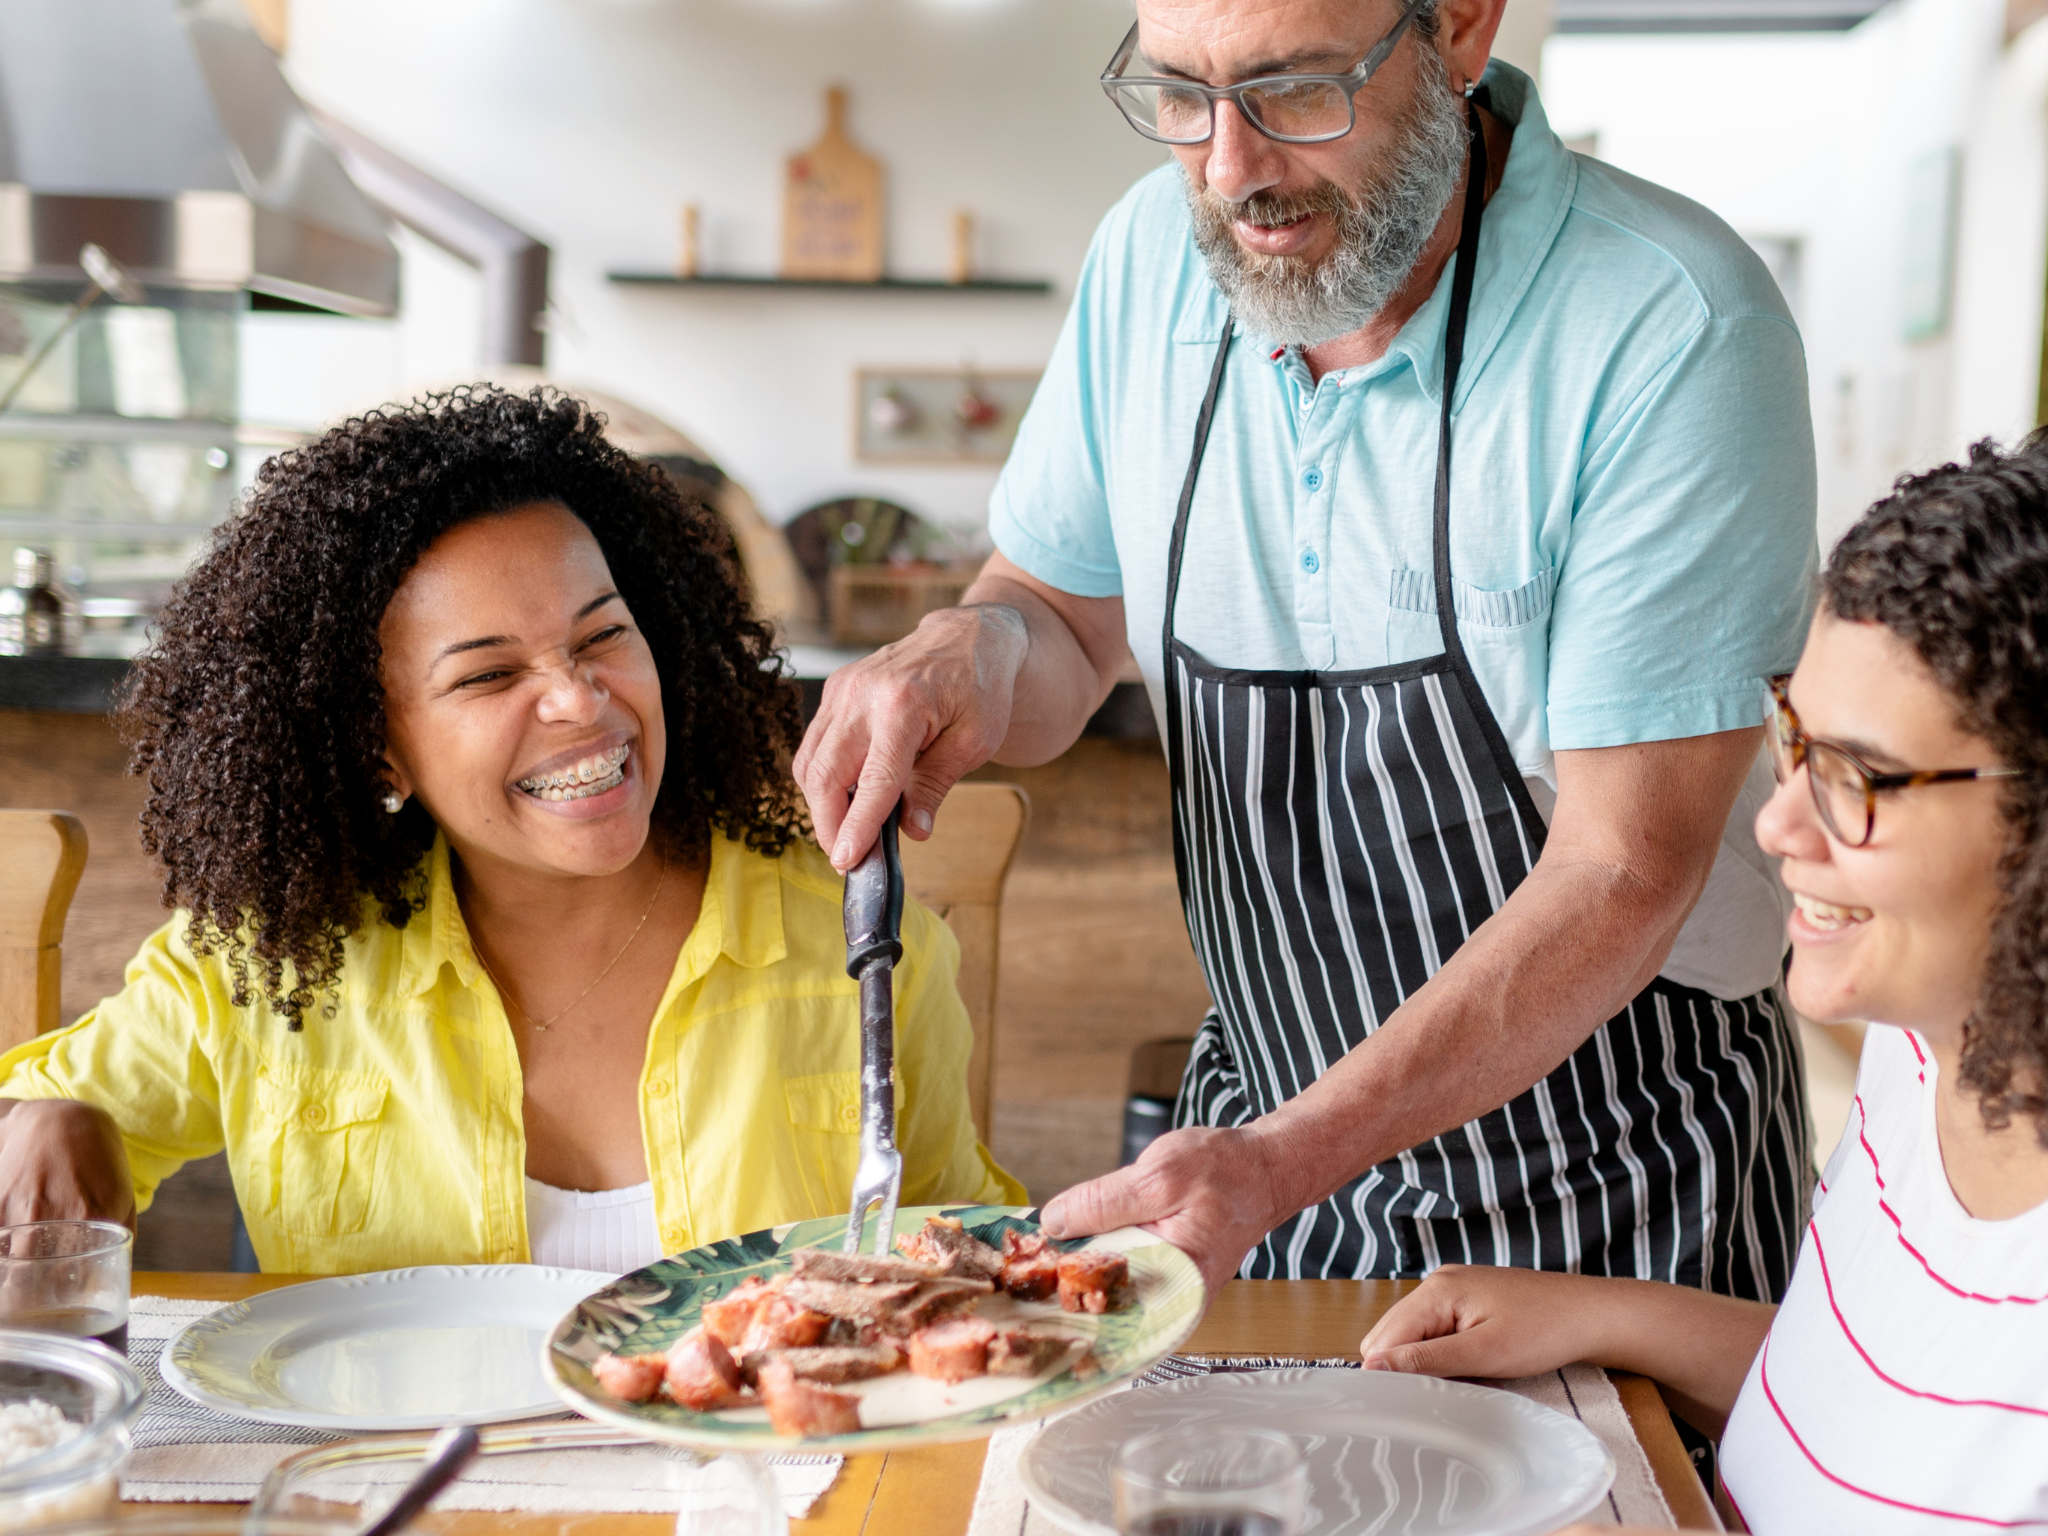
[[1455, 493]]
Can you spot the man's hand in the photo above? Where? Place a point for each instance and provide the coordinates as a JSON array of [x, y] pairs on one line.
[[1477, 1321], [1013, 673], [1212, 1194], [62, 1161], [908, 721]]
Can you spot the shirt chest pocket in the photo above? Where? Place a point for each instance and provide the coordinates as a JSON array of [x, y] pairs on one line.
[[824, 1120], [318, 1135]]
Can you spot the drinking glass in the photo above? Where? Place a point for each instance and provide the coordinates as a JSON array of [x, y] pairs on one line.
[[1210, 1480], [67, 1277]]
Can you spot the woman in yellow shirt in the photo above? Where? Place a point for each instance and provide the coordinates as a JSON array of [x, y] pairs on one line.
[[497, 935]]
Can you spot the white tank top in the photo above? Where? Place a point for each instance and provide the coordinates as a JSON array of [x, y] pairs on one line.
[[609, 1230], [1902, 1387]]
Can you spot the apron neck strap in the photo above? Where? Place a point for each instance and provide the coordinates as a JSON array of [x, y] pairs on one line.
[[1187, 486], [1454, 355]]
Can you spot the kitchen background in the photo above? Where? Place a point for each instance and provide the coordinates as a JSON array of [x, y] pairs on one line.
[[1890, 163]]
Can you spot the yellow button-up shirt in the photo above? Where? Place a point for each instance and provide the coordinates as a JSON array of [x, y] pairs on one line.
[[389, 1131]]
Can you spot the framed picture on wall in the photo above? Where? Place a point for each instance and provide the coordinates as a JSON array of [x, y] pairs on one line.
[[938, 416]]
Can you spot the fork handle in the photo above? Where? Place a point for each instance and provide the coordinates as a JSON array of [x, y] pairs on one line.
[[874, 902]]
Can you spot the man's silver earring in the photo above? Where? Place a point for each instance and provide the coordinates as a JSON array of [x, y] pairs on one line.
[[1470, 87], [394, 803]]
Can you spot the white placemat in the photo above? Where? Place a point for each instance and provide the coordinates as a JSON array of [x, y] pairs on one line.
[[188, 1454], [1583, 1391]]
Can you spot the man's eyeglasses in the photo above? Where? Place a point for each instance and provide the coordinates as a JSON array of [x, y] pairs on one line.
[[1295, 109], [1845, 788]]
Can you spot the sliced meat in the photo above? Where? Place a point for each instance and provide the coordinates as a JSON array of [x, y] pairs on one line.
[[798, 1408], [844, 1333], [946, 1242], [832, 1364], [952, 1350], [1031, 1265], [823, 1264], [933, 1300], [701, 1373], [632, 1378], [728, 1318], [1020, 1352], [781, 1323], [1094, 1282], [862, 1303]]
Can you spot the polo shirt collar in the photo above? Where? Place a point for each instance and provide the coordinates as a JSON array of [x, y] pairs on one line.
[[1520, 226], [740, 918]]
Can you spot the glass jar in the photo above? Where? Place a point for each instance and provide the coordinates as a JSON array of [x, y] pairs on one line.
[[37, 616]]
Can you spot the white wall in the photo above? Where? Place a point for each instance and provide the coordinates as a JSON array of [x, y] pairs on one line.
[[1812, 137], [591, 122]]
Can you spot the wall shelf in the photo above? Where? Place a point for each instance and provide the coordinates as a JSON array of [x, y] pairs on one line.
[[823, 285]]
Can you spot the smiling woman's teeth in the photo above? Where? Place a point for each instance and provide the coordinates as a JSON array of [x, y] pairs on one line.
[[593, 775], [1825, 916]]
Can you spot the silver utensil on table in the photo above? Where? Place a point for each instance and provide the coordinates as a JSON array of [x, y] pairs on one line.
[[874, 943]]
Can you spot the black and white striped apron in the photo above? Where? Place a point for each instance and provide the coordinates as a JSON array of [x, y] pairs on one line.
[[1337, 835]]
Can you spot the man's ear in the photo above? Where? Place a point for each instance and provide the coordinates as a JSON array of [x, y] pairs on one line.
[[1464, 36]]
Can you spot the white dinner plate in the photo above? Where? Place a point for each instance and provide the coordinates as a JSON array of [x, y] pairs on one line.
[[397, 1349], [1385, 1452]]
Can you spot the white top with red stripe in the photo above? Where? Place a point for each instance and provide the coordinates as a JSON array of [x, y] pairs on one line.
[[1904, 1385]]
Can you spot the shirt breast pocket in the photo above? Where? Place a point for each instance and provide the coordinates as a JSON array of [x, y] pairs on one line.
[[824, 1118], [320, 1131]]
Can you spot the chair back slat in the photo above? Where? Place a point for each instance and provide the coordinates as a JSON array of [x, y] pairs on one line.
[[42, 854], [959, 872]]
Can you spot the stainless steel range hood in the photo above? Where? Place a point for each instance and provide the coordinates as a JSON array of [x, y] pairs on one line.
[[163, 131]]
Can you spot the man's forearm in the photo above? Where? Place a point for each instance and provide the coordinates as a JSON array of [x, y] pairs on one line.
[[1565, 953], [1057, 688]]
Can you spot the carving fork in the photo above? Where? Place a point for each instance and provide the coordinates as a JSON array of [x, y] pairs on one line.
[[874, 943]]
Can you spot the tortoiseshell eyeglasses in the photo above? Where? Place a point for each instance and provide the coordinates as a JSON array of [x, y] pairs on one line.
[[1845, 788]]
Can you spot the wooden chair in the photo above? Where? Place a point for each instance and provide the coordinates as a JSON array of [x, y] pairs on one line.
[[958, 872], [42, 854]]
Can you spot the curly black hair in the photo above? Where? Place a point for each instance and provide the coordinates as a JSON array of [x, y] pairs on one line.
[[257, 718], [1955, 563]]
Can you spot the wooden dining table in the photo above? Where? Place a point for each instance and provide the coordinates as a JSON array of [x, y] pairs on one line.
[[929, 1490]]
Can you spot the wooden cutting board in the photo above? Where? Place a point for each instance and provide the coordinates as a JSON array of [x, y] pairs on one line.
[[832, 206]]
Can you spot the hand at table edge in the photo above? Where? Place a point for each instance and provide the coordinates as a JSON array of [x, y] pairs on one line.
[[1478, 1320]]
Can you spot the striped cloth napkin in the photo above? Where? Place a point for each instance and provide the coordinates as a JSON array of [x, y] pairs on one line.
[[186, 1454], [1582, 1391]]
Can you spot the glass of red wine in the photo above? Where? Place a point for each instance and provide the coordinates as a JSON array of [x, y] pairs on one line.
[[1210, 1480], [67, 1277]]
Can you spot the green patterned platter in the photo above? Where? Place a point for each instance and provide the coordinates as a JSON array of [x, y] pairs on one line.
[[653, 1307]]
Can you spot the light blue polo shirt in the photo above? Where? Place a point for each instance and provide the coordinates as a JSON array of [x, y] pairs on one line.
[[1632, 482]]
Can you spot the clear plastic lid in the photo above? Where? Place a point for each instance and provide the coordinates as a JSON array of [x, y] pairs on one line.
[[88, 1383]]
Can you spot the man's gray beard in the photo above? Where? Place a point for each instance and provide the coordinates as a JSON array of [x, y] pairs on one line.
[[1379, 236]]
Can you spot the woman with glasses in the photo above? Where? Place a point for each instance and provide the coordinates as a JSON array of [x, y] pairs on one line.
[[1901, 1385], [1455, 496]]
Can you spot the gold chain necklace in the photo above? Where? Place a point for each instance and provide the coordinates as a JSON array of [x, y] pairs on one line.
[[542, 1024]]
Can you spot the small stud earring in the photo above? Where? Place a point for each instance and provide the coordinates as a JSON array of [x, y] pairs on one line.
[[394, 803]]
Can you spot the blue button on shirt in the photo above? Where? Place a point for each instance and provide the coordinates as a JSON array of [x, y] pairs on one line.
[[1632, 524]]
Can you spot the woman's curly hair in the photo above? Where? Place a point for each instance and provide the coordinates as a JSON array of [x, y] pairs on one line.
[[257, 718], [1955, 563]]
